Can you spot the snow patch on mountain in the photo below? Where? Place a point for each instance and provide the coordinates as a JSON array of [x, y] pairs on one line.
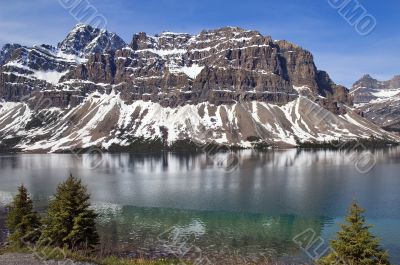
[[52, 77], [70, 57], [105, 119], [301, 89], [191, 71], [164, 53], [385, 93]]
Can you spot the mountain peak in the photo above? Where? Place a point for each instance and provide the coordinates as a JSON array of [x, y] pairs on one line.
[[369, 82], [81, 26], [367, 76], [170, 33], [366, 81], [6, 52], [84, 38], [230, 30]]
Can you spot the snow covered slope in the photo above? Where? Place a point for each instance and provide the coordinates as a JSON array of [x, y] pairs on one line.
[[105, 119]]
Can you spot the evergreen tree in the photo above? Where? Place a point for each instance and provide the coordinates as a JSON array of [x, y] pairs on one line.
[[355, 245], [22, 222], [71, 222]]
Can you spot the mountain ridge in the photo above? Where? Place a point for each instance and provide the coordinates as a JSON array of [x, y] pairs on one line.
[[236, 83], [182, 56]]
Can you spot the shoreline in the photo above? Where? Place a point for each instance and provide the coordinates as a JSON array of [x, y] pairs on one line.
[[323, 147], [157, 145]]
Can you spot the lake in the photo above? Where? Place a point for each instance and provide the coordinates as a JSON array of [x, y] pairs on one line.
[[247, 205]]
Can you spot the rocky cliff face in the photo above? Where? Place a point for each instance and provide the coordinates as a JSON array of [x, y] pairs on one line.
[[32, 69], [379, 101], [220, 66], [222, 69]]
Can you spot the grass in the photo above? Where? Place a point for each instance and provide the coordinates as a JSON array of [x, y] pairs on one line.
[[50, 253], [118, 261]]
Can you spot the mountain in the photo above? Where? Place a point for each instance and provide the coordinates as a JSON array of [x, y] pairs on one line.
[[368, 89], [85, 39], [379, 101], [227, 85]]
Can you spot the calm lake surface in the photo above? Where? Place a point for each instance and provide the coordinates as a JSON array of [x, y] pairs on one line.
[[248, 204]]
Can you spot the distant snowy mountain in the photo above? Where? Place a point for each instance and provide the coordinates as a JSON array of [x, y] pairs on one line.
[[226, 86], [379, 101]]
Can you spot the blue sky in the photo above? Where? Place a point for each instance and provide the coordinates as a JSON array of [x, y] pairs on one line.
[[313, 24]]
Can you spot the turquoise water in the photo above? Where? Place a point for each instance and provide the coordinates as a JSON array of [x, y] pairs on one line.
[[248, 205]]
